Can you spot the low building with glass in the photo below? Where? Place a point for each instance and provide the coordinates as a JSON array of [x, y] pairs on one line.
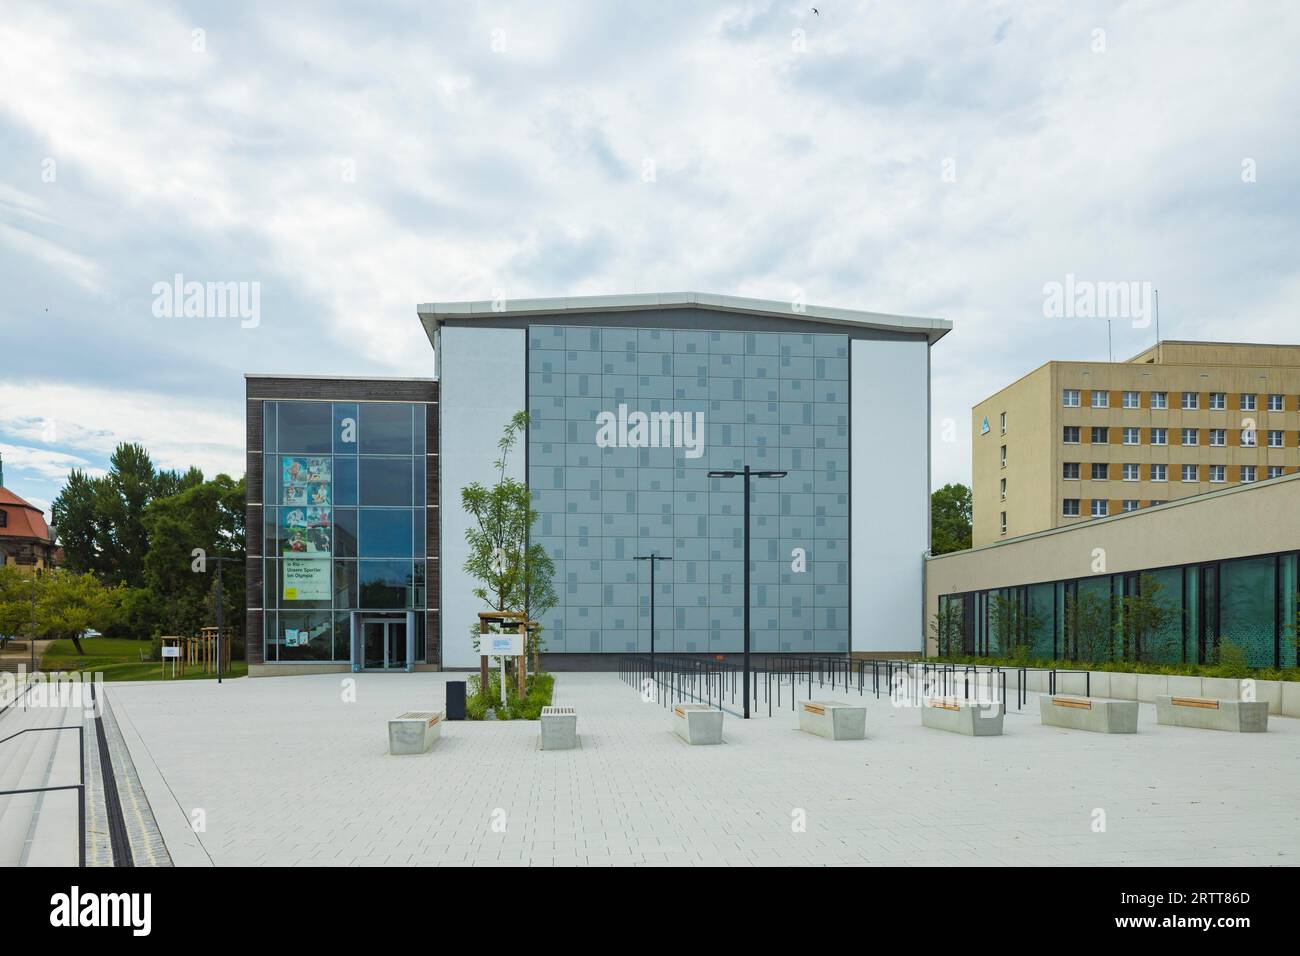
[[1174, 583]]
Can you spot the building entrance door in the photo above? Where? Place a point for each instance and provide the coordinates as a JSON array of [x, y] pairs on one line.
[[383, 644]]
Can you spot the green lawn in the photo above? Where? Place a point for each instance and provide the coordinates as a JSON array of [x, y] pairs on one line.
[[119, 659]]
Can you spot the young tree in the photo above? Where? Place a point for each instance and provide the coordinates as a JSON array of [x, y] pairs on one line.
[[1089, 627], [514, 572], [1145, 618], [503, 515], [1015, 625], [946, 628]]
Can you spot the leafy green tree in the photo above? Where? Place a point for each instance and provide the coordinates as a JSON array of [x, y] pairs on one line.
[[100, 521], [17, 587], [68, 604], [950, 519], [207, 516]]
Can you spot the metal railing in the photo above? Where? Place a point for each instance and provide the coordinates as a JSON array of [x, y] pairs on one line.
[[80, 787], [779, 679]]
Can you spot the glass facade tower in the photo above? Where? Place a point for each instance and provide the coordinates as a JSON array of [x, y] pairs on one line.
[[343, 530]]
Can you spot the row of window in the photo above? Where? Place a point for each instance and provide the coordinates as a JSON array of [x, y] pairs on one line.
[[1100, 471], [1189, 612], [1218, 437], [1070, 507], [1218, 401]]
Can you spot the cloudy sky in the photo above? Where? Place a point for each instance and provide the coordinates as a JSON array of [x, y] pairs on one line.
[[925, 158]]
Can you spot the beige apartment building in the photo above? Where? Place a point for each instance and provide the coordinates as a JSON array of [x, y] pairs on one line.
[[1072, 441]]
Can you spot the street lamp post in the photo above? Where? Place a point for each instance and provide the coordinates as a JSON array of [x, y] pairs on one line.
[[747, 474], [652, 558], [220, 559]]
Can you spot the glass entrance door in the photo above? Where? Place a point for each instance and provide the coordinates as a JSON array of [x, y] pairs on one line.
[[383, 644]]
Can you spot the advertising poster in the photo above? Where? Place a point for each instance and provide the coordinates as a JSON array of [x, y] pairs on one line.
[[306, 528], [306, 579]]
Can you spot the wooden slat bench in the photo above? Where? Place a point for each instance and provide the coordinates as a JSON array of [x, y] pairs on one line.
[[833, 719], [697, 723], [973, 718], [1088, 713], [414, 731], [559, 727], [1209, 713]]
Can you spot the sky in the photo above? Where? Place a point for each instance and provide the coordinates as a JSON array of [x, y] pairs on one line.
[[348, 161]]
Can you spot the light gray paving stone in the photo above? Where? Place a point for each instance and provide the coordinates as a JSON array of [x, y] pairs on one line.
[[289, 773]]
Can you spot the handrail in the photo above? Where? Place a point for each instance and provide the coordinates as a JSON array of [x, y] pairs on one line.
[[27, 688], [79, 787]]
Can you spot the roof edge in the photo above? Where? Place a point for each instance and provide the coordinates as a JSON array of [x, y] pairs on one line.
[[933, 328]]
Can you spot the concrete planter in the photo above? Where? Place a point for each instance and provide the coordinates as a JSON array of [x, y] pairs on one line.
[[1185, 687], [833, 719], [1123, 685], [1270, 692], [1222, 688], [1100, 683], [1087, 713], [1151, 686], [1290, 698]]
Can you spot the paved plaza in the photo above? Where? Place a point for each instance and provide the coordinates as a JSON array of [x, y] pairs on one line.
[[285, 772]]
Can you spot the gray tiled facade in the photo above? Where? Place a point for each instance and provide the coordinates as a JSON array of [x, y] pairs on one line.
[[772, 400]]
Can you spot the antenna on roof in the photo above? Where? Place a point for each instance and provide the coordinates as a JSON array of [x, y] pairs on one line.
[[1157, 316], [1110, 343]]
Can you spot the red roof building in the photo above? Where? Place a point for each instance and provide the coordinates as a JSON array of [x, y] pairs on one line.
[[25, 538]]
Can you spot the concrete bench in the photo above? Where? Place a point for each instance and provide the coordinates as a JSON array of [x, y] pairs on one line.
[[833, 719], [1209, 713], [559, 728], [697, 723], [414, 732], [1088, 713], [974, 718]]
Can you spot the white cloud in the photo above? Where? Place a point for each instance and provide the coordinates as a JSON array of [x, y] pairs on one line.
[[69, 426], [521, 170]]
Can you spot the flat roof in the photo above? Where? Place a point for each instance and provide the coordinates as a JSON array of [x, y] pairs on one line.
[[1238, 488], [432, 313]]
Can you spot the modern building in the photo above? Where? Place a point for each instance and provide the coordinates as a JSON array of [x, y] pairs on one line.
[[633, 401], [1072, 441], [342, 524], [821, 394], [25, 538], [1222, 566]]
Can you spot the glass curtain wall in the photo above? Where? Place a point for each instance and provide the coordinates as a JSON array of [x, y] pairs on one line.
[[343, 522], [1183, 614]]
